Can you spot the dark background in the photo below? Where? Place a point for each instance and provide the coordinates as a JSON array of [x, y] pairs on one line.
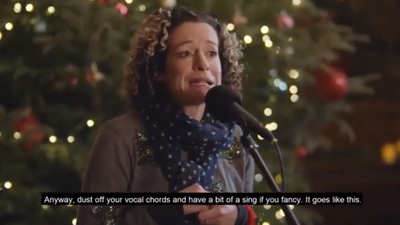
[[375, 119]]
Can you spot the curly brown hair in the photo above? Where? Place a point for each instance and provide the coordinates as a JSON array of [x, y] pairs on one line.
[[148, 52]]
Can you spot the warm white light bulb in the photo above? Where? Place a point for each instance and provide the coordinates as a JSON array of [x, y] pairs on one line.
[[17, 7], [294, 74], [268, 43], [293, 89], [264, 29], [268, 111], [17, 135], [296, 2], [29, 7], [267, 207], [266, 38], [90, 123], [258, 177], [142, 8], [70, 139], [294, 98], [53, 139], [230, 26], [9, 26], [51, 10], [271, 126], [7, 185], [247, 39]]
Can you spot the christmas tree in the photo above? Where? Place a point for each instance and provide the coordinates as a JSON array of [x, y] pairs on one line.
[[60, 69]]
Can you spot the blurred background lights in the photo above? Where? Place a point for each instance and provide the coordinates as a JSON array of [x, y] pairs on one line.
[[264, 29], [7, 185], [74, 221], [247, 39], [280, 84], [29, 7], [294, 98], [278, 178], [296, 2], [230, 26], [267, 207], [293, 89], [53, 139], [51, 10], [142, 8], [266, 38], [9, 26], [294, 74], [268, 43], [17, 135], [279, 214], [267, 111], [71, 139], [17, 7], [273, 72], [289, 50], [90, 123], [129, 1], [258, 177], [271, 126]]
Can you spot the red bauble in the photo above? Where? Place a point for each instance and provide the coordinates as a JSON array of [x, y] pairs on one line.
[[331, 86], [285, 21], [301, 152], [30, 125]]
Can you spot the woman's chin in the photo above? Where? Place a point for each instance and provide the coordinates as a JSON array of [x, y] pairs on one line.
[[196, 97]]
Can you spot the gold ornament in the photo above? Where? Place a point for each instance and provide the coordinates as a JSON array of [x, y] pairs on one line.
[[389, 154], [146, 154], [93, 76], [234, 152]]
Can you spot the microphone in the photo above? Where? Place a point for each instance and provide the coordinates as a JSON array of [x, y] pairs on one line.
[[225, 104]]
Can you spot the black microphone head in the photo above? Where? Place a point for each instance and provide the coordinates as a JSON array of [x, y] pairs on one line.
[[218, 101]]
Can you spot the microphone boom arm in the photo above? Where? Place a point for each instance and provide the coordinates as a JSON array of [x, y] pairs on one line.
[[251, 147]]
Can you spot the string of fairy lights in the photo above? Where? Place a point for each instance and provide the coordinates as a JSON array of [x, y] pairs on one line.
[[247, 39]]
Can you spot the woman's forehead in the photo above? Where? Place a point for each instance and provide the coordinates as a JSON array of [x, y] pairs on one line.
[[193, 32]]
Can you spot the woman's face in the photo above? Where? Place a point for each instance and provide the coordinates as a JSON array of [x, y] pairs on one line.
[[192, 63]]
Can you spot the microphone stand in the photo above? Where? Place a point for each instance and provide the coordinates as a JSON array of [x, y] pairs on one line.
[[250, 146]]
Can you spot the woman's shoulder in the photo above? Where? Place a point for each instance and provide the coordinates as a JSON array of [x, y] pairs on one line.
[[123, 128], [129, 122]]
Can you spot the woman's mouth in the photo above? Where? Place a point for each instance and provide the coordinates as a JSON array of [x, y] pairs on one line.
[[200, 83]]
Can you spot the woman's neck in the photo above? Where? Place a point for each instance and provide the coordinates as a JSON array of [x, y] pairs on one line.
[[195, 111]]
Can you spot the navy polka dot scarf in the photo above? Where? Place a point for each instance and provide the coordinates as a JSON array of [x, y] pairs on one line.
[[170, 130]]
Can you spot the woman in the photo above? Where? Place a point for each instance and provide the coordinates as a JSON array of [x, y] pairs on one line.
[[168, 143]]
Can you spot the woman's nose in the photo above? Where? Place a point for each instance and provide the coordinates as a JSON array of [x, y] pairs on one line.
[[201, 63]]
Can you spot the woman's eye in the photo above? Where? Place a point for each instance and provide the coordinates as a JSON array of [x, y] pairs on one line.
[[213, 53], [184, 54]]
